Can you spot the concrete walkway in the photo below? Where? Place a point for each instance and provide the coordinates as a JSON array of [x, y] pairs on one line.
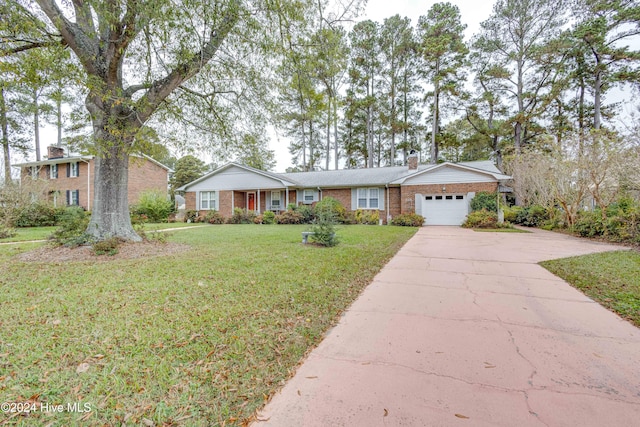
[[464, 328]]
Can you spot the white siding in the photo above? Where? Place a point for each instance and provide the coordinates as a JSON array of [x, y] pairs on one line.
[[448, 175], [236, 178]]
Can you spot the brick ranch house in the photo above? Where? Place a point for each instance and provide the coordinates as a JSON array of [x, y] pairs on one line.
[[441, 193], [69, 179]]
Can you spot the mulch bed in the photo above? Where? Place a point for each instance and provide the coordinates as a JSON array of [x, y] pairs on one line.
[[50, 254]]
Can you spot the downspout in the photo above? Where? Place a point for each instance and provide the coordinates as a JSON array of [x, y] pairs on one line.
[[319, 193], [388, 201], [88, 184]]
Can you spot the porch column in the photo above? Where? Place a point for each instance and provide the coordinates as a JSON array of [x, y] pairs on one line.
[[233, 202], [258, 202], [286, 197]]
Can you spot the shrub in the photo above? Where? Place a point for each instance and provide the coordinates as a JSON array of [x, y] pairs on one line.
[[532, 216], [6, 232], [72, 228], [331, 208], [106, 247], [38, 215], [156, 205], [481, 219], [268, 217], [190, 216], [367, 217], [324, 230], [289, 217], [307, 212], [214, 217], [511, 213], [485, 200], [408, 220], [241, 216]]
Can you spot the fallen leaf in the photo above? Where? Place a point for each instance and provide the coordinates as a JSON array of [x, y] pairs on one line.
[[597, 355], [82, 368], [299, 394], [148, 422], [462, 416], [489, 365], [386, 412], [312, 378]]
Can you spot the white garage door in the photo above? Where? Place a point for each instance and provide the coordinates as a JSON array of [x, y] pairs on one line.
[[444, 209]]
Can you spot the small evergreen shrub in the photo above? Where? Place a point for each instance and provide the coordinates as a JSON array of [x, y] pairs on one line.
[[511, 213], [485, 200], [156, 205], [268, 217], [324, 230], [408, 220], [214, 217], [289, 217], [72, 228], [481, 219]]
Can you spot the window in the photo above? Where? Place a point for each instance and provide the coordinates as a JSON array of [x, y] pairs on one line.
[[368, 198], [53, 171], [429, 198], [73, 197], [208, 200], [275, 200], [449, 197], [308, 196], [438, 197], [459, 197], [72, 170], [33, 170]]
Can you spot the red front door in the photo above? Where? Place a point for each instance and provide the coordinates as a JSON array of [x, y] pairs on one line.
[[251, 201]]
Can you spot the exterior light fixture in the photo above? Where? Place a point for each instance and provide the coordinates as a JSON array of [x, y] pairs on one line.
[[444, 189]]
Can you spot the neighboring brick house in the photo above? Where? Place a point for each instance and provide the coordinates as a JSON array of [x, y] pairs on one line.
[[69, 179], [441, 193]]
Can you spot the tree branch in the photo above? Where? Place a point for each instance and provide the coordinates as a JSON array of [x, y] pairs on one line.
[[85, 48], [162, 88]]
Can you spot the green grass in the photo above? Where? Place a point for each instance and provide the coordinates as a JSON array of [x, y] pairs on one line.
[[610, 278], [43, 233], [200, 338]]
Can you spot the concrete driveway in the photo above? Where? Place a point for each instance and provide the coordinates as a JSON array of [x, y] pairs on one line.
[[464, 328]]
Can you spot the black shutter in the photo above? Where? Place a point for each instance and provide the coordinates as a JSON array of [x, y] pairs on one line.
[[68, 198], [78, 168], [48, 172], [77, 197], [68, 170]]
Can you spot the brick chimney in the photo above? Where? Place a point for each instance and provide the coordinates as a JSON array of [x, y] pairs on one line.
[[412, 160], [54, 152]]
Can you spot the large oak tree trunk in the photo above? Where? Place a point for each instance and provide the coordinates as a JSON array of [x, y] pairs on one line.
[[110, 212]]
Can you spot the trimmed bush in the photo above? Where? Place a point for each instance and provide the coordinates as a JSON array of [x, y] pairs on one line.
[[485, 200], [324, 228], [214, 217], [156, 205], [190, 216], [408, 220], [289, 217], [511, 213], [307, 212], [268, 217], [242, 216], [481, 219], [532, 216], [38, 215], [367, 217]]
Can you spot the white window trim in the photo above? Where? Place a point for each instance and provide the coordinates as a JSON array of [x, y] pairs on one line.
[[210, 200], [367, 197], [304, 196], [51, 169], [278, 198], [74, 169]]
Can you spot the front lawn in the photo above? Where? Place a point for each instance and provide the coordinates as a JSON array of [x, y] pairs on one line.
[[610, 278], [200, 338], [43, 233]]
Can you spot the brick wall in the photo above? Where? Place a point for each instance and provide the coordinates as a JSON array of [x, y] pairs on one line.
[[145, 176], [343, 195], [408, 193], [190, 200], [395, 205], [62, 184]]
